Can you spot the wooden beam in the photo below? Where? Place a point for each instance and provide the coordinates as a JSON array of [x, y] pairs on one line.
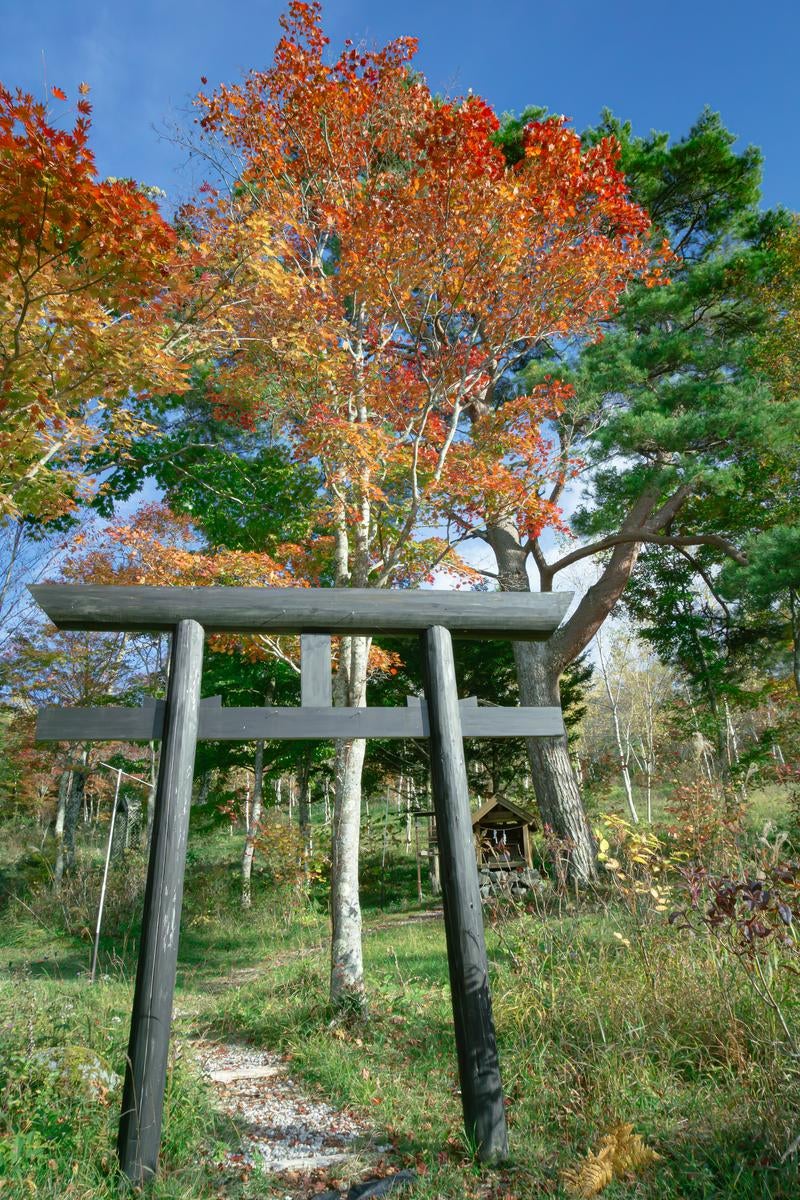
[[110, 724], [148, 1047], [476, 1044], [294, 724], [520, 616], [316, 684]]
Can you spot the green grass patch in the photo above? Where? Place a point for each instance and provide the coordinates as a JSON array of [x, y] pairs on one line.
[[660, 1032]]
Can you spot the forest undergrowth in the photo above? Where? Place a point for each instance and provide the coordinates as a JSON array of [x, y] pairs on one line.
[[625, 1007]]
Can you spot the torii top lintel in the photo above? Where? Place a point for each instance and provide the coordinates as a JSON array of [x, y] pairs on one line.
[[518, 616]]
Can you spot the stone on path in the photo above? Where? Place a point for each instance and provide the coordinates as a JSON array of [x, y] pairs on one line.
[[284, 1128]]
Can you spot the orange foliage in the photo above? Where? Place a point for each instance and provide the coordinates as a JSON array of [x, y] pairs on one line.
[[161, 549], [386, 268], [84, 269]]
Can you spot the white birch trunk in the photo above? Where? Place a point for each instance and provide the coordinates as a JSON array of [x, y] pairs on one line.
[[151, 795], [613, 700], [347, 966], [253, 823], [64, 790]]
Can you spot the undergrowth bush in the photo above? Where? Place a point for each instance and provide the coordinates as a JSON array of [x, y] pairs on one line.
[[607, 1016], [62, 1047]]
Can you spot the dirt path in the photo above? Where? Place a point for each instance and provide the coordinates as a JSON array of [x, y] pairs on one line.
[[291, 1133], [283, 1128]]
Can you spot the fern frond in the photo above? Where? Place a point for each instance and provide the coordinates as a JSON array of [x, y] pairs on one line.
[[591, 1176], [628, 1150], [621, 1152]]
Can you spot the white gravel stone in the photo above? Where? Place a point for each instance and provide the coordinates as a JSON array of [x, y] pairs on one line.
[[287, 1129]]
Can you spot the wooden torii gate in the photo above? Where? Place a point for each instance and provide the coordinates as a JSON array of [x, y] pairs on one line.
[[314, 613]]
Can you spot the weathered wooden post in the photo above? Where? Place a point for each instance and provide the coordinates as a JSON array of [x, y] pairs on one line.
[[315, 676], [148, 1047], [476, 1044], [315, 613]]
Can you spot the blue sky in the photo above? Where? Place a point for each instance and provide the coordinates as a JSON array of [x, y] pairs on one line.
[[657, 65]]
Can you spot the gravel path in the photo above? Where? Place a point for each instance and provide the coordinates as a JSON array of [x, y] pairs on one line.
[[283, 1126]]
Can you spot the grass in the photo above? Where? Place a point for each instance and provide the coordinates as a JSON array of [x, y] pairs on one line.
[[661, 1033], [585, 1040], [768, 802]]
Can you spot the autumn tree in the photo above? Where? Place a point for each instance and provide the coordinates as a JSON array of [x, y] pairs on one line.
[[84, 268], [49, 666], [387, 267], [668, 413]]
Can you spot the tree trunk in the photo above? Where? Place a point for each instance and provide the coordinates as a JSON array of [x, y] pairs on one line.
[[303, 808], [204, 788], [74, 805], [64, 791], [151, 795], [252, 827], [119, 840], [347, 966], [623, 745], [133, 836], [794, 611], [557, 793], [69, 807]]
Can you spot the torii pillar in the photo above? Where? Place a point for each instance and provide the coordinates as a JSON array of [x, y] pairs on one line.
[[315, 613]]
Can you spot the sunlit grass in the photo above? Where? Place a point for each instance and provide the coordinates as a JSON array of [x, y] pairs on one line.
[[591, 1033]]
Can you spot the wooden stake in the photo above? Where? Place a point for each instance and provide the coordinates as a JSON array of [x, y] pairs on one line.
[[476, 1045], [148, 1047]]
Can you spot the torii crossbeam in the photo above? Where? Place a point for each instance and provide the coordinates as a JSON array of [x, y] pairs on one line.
[[315, 614]]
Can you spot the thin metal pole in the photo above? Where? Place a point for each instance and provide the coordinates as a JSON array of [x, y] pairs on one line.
[[476, 1044], [127, 774], [101, 905], [148, 1048]]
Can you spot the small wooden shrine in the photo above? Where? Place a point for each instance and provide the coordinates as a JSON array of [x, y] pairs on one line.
[[502, 831]]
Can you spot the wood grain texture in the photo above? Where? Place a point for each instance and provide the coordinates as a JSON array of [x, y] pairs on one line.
[[521, 616], [291, 724], [148, 1047], [316, 680], [110, 723], [476, 1043]]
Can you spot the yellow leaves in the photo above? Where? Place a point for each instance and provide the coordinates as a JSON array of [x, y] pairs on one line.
[[360, 200], [639, 867], [594, 1174], [621, 1152], [83, 318]]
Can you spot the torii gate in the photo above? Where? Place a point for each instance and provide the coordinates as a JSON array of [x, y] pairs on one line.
[[314, 613]]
